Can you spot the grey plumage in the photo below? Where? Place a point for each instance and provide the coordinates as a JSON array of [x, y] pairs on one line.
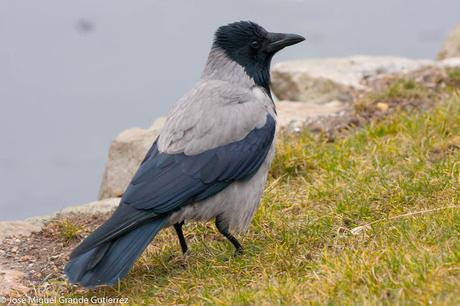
[[245, 104], [210, 160]]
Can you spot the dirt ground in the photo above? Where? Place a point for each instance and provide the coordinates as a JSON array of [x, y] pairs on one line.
[[40, 258]]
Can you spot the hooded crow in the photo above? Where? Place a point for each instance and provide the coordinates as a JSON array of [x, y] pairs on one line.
[[210, 160]]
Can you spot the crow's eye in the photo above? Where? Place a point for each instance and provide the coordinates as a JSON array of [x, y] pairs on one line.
[[255, 44]]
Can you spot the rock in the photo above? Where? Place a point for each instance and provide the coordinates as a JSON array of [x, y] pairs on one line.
[[451, 46], [21, 228], [28, 226], [11, 280], [294, 115], [453, 62], [125, 155], [102, 206], [321, 81]]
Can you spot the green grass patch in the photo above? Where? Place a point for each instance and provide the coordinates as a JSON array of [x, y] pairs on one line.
[[403, 89], [67, 231]]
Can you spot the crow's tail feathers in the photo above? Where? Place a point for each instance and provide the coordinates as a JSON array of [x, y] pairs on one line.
[[108, 262]]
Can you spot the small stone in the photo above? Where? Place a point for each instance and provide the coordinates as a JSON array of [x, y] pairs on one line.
[[382, 106], [360, 229], [25, 258]]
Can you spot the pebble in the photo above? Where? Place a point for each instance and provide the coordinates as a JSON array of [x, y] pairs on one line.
[[382, 106], [26, 258]]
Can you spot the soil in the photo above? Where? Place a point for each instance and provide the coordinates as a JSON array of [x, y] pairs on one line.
[[41, 257]]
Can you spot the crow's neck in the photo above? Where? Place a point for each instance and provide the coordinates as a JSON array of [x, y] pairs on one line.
[[220, 67]]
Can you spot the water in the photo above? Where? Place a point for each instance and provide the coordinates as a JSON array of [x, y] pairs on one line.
[[73, 74]]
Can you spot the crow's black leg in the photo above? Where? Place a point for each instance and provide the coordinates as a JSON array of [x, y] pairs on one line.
[[180, 234], [223, 229]]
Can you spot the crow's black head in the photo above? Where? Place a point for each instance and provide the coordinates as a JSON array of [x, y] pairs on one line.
[[252, 47]]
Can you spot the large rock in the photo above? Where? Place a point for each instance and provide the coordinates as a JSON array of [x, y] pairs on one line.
[[95, 207], [453, 62], [293, 116], [21, 227], [322, 81], [451, 46], [125, 155], [35, 224]]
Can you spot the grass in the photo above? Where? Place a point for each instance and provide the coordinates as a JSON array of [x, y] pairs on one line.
[[408, 89], [371, 218], [454, 77], [401, 95], [68, 231]]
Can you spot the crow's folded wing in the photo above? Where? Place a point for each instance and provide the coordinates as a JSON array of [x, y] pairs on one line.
[[165, 182]]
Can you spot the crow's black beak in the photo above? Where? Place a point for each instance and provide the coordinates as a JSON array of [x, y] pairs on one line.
[[280, 40]]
